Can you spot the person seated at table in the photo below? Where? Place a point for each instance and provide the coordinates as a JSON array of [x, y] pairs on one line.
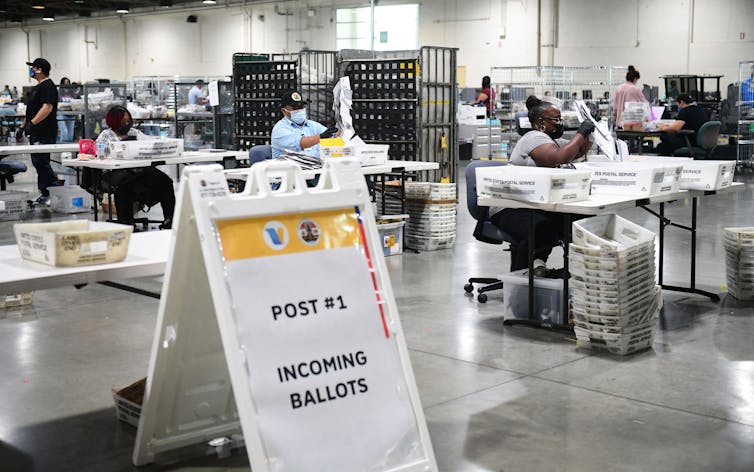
[[145, 185], [540, 147], [294, 132], [690, 116]]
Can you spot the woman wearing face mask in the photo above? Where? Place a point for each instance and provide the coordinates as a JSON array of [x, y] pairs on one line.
[[295, 132], [540, 147], [147, 185]]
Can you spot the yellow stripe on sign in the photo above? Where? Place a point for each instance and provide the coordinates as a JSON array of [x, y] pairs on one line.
[[245, 238]]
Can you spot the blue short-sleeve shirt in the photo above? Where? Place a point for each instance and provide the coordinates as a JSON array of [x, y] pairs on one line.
[[286, 135]]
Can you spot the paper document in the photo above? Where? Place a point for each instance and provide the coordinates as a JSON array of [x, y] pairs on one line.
[[214, 94], [342, 102], [615, 150]]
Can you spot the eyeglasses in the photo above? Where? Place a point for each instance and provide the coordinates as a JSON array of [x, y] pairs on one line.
[[558, 120]]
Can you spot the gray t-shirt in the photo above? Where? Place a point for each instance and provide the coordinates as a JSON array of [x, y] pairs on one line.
[[521, 155]]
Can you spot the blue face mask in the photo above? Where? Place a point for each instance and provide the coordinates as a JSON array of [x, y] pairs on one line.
[[298, 116], [31, 72]]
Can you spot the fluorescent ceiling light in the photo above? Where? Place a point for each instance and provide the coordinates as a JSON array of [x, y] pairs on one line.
[[121, 8], [38, 5], [49, 16], [209, 2]]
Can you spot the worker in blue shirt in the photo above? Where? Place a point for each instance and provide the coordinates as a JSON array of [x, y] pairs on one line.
[[196, 94], [294, 132]]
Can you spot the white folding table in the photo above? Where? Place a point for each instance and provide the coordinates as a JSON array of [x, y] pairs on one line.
[[147, 256]]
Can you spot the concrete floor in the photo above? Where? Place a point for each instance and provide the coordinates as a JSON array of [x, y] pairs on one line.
[[496, 398]]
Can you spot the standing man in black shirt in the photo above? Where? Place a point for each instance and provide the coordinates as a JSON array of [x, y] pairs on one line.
[[41, 124], [690, 116]]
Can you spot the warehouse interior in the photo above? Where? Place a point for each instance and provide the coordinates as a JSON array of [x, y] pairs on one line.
[[495, 397]]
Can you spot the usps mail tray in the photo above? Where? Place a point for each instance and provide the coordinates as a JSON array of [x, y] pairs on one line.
[[637, 179], [533, 184]]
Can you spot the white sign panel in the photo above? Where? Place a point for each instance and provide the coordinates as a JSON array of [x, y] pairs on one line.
[[324, 371]]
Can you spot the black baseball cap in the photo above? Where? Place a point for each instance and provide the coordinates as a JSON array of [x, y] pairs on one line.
[[685, 98], [40, 63], [292, 98]]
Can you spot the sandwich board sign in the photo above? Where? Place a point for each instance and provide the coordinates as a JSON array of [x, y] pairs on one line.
[[277, 320]]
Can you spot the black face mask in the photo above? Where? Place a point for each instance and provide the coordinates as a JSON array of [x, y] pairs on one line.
[[557, 132], [125, 128]]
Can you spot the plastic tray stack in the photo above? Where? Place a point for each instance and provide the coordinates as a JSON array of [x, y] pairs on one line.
[[739, 262], [432, 210], [615, 299]]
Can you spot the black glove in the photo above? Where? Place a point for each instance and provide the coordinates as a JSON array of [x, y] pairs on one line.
[[586, 128], [19, 133], [329, 132], [27, 128]]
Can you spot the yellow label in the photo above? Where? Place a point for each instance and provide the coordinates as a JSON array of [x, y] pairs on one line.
[[444, 142], [246, 238], [331, 142]]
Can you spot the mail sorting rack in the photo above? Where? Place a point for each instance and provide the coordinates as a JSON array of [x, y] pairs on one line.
[[258, 86], [438, 126], [514, 84], [745, 148], [385, 103]]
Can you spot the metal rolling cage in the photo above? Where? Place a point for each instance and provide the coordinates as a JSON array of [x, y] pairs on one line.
[[317, 77], [413, 112], [591, 84], [437, 111], [745, 148]]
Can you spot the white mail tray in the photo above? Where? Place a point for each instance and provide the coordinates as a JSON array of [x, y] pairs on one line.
[[73, 243], [637, 179], [707, 175], [533, 184], [146, 149]]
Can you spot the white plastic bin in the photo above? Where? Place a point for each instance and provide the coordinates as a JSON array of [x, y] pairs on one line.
[[146, 148], [533, 184], [548, 298], [611, 233], [69, 199], [391, 237], [12, 205], [73, 243]]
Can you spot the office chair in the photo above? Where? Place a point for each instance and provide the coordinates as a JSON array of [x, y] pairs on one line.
[[7, 170], [260, 153], [484, 230], [706, 142]]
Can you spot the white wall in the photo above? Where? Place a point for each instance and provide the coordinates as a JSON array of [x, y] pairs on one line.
[[658, 37]]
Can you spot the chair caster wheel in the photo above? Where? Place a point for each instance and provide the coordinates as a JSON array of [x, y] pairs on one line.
[[482, 297], [468, 288]]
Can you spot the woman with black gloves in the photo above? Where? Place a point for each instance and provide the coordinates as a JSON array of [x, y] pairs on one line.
[[540, 147]]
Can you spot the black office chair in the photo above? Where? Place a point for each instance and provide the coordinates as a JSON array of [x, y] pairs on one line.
[[7, 170], [706, 142], [484, 230]]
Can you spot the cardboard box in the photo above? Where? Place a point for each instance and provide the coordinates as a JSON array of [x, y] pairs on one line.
[[533, 184], [73, 243]]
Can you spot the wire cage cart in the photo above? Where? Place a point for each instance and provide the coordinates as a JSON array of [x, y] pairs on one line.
[[595, 85], [745, 148], [153, 104], [97, 99], [407, 99]]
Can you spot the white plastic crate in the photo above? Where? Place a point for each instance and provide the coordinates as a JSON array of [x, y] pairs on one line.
[[128, 402], [69, 199], [431, 191], [146, 148], [622, 344], [640, 314], [18, 299], [638, 179], [548, 297], [533, 184], [12, 205], [73, 243], [610, 232], [423, 243]]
